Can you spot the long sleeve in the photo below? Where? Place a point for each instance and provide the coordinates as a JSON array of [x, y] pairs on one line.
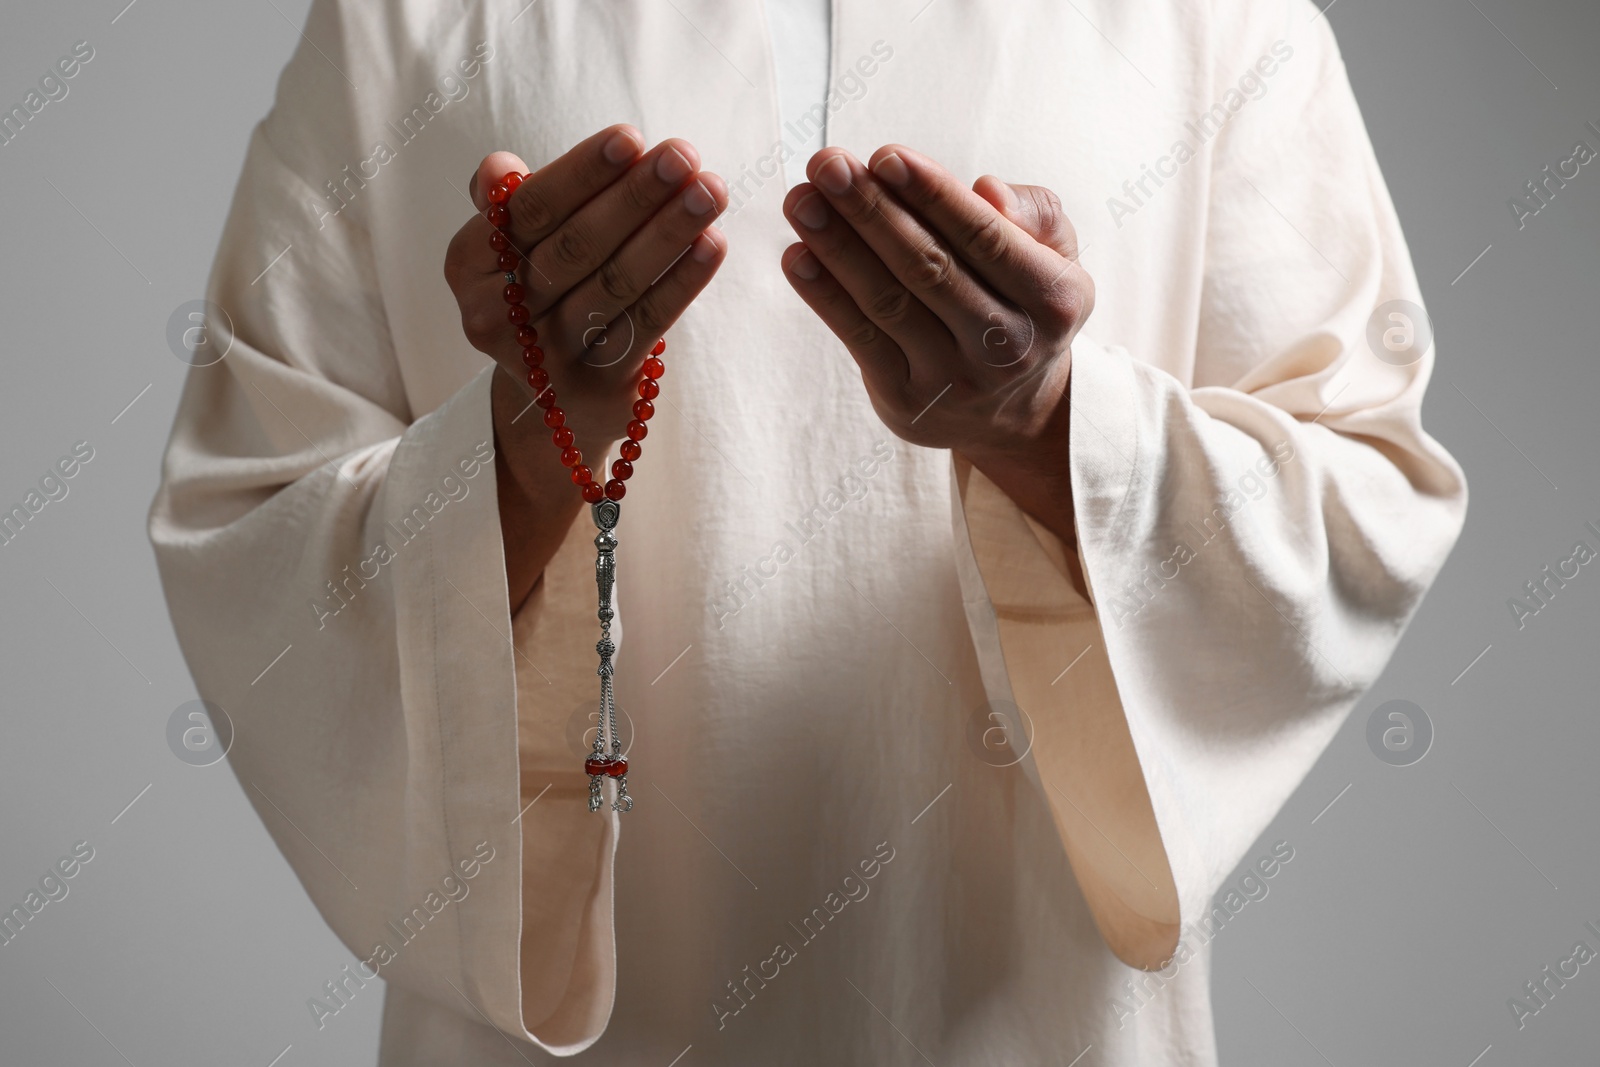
[[1252, 542], [333, 565]]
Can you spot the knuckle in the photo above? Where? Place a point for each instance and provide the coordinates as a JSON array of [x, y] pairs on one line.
[[614, 282], [988, 241], [651, 317], [890, 304], [636, 198], [930, 268], [863, 337], [1070, 300], [454, 259], [1048, 207], [531, 214], [478, 327], [569, 250]]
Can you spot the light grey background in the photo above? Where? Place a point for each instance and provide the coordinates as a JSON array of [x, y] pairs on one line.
[[1415, 905]]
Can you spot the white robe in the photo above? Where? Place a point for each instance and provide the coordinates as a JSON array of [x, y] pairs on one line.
[[809, 715]]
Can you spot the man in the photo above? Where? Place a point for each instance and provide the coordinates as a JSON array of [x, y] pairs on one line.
[[1161, 548]]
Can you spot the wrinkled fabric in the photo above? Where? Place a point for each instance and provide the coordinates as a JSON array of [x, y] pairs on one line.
[[827, 862]]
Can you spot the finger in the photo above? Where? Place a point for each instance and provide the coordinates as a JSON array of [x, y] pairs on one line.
[[495, 165], [921, 259], [640, 325], [883, 363], [623, 278], [1034, 208], [577, 247], [845, 254], [999, 250], [550, 195]]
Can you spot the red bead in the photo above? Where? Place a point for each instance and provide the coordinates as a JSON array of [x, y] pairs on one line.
[[555, 418], [518, 314], [511, 180], [546, 399], [649, 389], [532, 356], [499, 242], [661, 346], [613, 766], [499, 215], [514, 293], [581, 473], [499, 194], [654, 368], [630, 450], [621, 470], [637, 430], [538, 378], [527, 335], [593, 492], [508, 259], [643, 409], [562, 437], [571, 457], [615, 490]]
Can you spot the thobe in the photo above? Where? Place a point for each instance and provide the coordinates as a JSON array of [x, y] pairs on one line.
[[825, 863]]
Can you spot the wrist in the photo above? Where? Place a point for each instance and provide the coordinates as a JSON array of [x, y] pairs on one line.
[[1033, 465]]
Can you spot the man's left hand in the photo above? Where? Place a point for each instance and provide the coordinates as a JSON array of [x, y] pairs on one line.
[[959, 306]]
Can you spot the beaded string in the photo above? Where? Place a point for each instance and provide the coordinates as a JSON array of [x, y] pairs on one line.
[[603, 499]]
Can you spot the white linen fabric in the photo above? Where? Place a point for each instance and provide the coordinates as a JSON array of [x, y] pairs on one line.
[[823, 866], [799, 30]]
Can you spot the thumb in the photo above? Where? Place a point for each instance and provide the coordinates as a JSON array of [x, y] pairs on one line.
[[1035, 209], [495, 165]]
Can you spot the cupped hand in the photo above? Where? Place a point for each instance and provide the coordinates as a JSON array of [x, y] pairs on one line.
[[610, 244], [959, 305]]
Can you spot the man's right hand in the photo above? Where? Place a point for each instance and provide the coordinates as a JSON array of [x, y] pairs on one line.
[[612, 247]]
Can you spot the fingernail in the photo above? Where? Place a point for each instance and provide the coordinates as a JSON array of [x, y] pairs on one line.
[[621, 147], [671, 167], [892, 169], [834, 176], [812, 212], [805, 266], [697, 200], [704, 249]]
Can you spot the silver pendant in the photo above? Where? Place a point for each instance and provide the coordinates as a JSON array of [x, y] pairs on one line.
[[603, 764]]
